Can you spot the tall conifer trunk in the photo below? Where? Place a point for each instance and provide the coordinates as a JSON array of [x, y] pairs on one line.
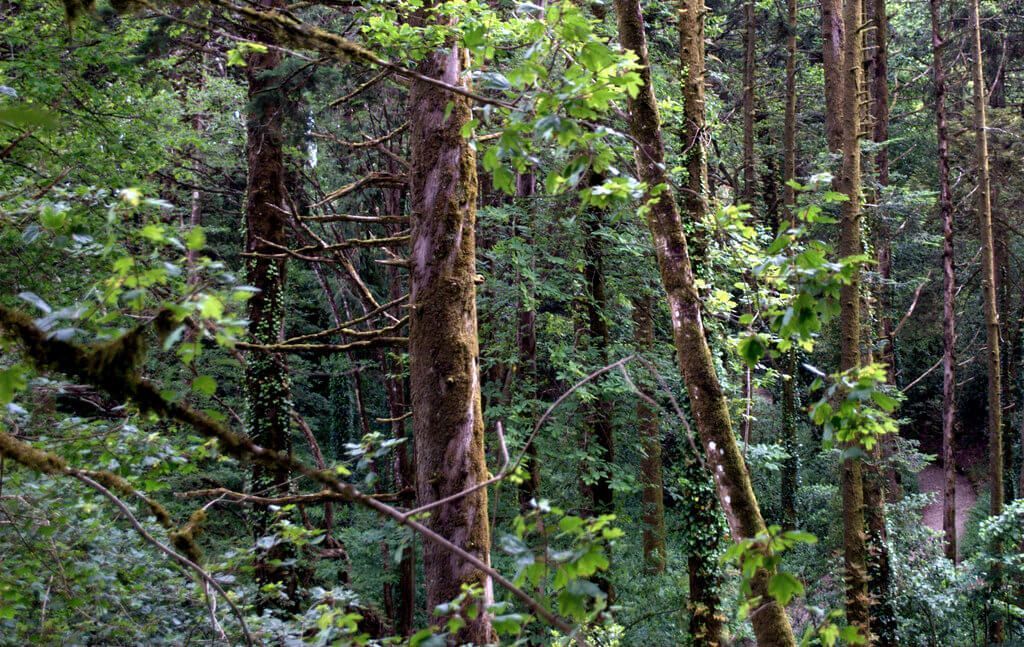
[[707, 400], [988, 268], [883, 613], [833, 40], [948, 291], [266, 374], [444, 359]]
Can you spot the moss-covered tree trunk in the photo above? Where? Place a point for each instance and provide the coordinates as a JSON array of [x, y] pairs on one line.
[[790, 466], [988, 270], [707, 400], [266, 374], [444, 359], [849, 183]]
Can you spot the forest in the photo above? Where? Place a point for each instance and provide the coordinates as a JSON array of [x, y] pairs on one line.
[[512, 322]]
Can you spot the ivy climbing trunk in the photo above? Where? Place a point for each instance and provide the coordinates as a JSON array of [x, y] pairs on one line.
[[651, 478], [707, 400], [948, 290], [444, 359], [266, 374], [988, 269]]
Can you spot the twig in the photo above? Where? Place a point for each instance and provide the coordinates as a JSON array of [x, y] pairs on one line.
[[180, 559]]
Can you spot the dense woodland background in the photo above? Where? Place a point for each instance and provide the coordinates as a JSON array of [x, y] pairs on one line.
[[418, 322]]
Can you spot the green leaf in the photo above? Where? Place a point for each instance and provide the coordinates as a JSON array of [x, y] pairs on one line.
[[783, 587], [205, 385], [752, 349]]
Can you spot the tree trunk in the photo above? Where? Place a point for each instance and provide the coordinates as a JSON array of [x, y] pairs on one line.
[[833, 39], [529, 490], [883, 613], [708, 402], [444, 361], [995, 409], [948, 291], [266, 374], [849, 183], [749, 70], [653, 495], [599, 422], [789, 478]]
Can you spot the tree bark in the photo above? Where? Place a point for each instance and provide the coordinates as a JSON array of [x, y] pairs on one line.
[[749, 71], [883, 612], [849, 183], [948, 290], [709, 406], [266, 374], [443, 345], [599, 422], [984, 207], [833, 39], [651, 480]]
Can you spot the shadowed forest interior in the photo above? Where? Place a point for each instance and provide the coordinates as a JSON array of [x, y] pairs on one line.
[[464, 322]]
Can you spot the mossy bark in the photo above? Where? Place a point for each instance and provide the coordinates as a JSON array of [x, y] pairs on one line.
[[849, 183], [444, 358], [707, 400], [266, 374], [651, 478]]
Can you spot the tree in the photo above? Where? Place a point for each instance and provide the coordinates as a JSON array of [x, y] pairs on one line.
[[948, 290], [266, 374], [443, 353], [988, 269], [710, 409], [848, 77]]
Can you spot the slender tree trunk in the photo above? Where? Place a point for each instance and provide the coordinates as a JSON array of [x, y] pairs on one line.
[[789, 478], [266, 374], [833, 39], [984, 197], [599, 414], [653, 501], [527, 341], [849, 183], [883, 612], [444, 360], [694, 135], [708, 402], [749, 71]]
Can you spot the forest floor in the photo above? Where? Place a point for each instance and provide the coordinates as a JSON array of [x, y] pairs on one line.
[[931, 479]]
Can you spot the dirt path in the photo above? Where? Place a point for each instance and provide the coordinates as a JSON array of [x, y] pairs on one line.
[[931, 479]]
